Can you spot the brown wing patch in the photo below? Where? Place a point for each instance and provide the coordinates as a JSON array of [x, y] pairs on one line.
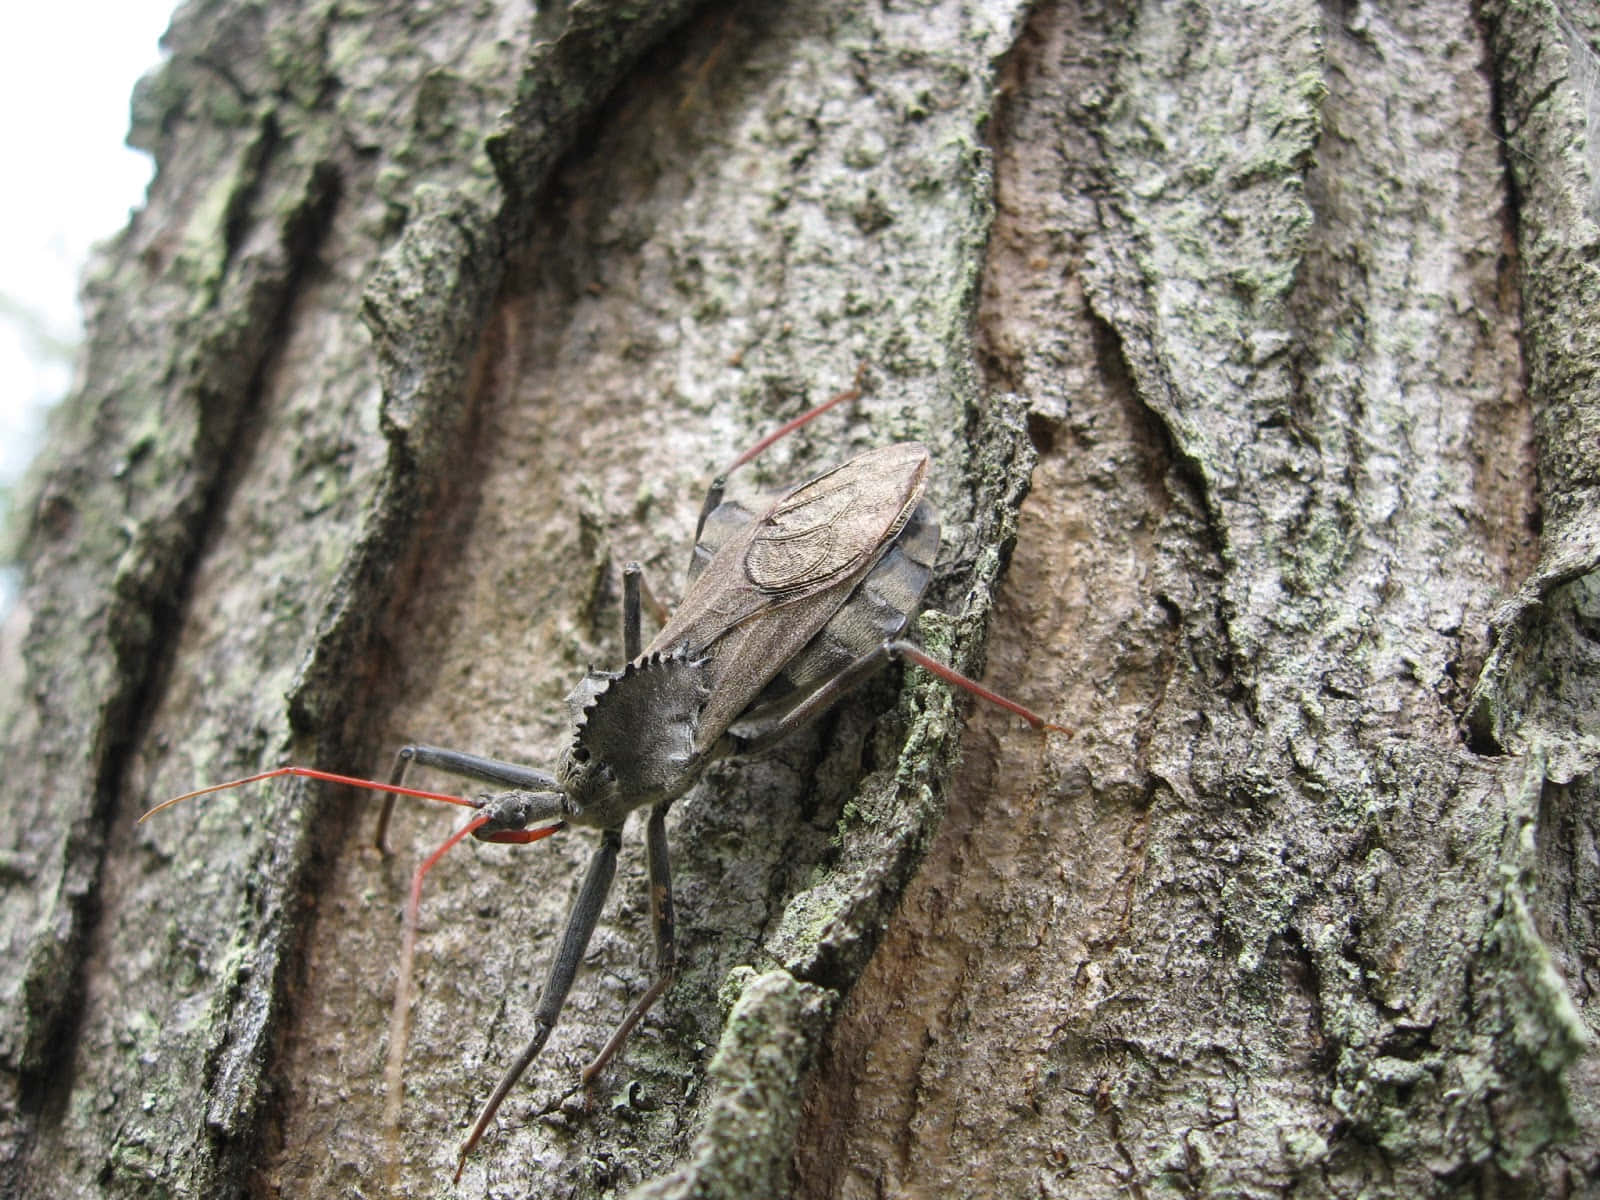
[[771, 586], [828, 527]]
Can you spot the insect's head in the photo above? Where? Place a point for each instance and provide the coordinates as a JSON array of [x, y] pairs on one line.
[[519, 809], [590, 782]]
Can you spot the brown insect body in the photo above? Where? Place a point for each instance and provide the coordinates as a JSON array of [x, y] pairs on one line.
[[776, 606]]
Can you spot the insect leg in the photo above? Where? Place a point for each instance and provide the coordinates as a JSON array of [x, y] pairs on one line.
[[720, 483], [636, 599], [400, 1013], [457, 762], [832, 689], [508, 820], [664, 925], [632, 638], [574, 941]]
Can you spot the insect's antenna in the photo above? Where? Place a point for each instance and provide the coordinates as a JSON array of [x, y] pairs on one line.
[[308, 773], [400, 1016]]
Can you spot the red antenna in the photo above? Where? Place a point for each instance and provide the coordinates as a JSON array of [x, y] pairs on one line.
[[309, 773], [400, 1015]]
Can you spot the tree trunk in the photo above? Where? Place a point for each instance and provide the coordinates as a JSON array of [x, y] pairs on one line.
[[436, 316]]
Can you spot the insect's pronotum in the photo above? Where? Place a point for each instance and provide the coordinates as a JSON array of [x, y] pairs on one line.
[[786, 611]]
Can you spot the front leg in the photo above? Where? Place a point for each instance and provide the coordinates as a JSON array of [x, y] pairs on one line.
[[663, 924], [574, 941], [636, 595]]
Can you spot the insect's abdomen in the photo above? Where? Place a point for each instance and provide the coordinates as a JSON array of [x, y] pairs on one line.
[[828, 571], [879, 609]]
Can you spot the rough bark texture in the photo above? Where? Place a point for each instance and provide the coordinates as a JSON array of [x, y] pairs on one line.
[[1289, 312]]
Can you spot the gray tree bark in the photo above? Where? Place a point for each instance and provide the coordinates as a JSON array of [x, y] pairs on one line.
[[1285, 312]]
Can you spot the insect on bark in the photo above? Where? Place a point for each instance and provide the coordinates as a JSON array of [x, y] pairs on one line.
[[786, 610]]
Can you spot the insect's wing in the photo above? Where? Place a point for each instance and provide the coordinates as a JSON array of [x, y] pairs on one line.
[[773, 584], [877, 611]]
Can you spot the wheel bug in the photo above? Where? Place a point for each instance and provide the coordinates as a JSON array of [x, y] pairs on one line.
[[785, 611]]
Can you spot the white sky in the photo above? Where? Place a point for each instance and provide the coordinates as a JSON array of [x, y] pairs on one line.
[[66, 73], [67, 70]]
